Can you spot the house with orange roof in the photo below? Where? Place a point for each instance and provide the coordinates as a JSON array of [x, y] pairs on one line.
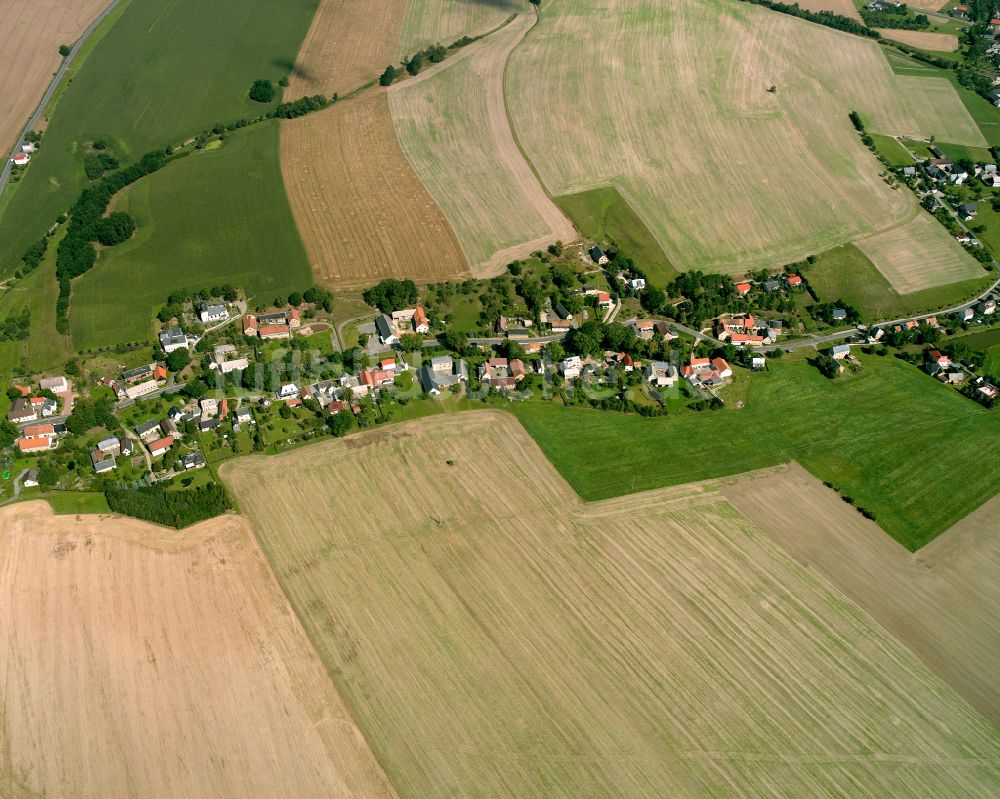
[[743, 289], [793, 280], [36, 444], [160, 446]]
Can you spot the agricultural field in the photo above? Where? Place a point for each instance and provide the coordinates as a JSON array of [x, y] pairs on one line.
[[108, 689], [753, 195], [428, 22], [890, 149], [184, 83], [216, 216], [847, 274], [604, 215], [494, 636], [943, 603], [363, 213], [845, 8], [452, 124], [29, 54], [349, 43], [925, 40], [919, 255], [874, 435]]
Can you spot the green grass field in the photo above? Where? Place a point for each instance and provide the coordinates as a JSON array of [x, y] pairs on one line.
[[217, 216], [162, 72], [890, 149], [848, 274], [983, 340], [912, 450], [73, 502], [603, 214]]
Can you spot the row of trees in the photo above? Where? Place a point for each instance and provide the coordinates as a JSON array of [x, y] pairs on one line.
[[828, 18]]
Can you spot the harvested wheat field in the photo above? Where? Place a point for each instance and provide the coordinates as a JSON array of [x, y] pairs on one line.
[[139, 661], [349, 43], [428, 22], [943, 601], [452, 124], [927, 40], [494, 636], [362, 212], [29, 54], [919, 255], [727, 175], [845, 8]]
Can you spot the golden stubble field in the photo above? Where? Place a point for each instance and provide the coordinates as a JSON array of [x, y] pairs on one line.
[[494, 636], [143, 662], [362, 212], [726, 174], [942, 601], [29, 54]]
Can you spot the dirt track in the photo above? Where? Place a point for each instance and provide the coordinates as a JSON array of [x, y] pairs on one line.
[[137, 661], [362, 212], [29, 53], [943, 601]]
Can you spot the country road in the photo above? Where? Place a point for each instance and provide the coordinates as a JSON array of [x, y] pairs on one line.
[[60, 74]]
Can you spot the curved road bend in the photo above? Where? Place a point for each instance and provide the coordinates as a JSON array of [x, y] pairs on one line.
[[60, 74]]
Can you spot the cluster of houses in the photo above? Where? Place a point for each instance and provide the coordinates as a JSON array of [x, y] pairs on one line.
[[633, 284], [32, 407], [137, 382], [942, 367], [23, 154], [707, 372], [772, 284], [107, 450], [225, 358], [391, 328], [275, 325], [941, 170], [747, 330]]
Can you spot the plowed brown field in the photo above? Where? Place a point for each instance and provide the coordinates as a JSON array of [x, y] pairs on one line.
[[495, 636], [137, 661], [350, 43], [943, 601], [32, 31], [362, 212]]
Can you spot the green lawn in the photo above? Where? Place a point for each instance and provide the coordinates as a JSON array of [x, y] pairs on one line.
[[890, 149], [217, 216], [992, 364], [604, 215], [983, 340], [915, 452], [847, 273], [985, 215], [162, 72], [72, 502]]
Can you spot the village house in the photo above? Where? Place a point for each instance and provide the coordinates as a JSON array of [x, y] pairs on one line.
[[743, 289], [141, 389], [173, 338], [148, 430], [604, 300], [102, 461], [708, 372], [212, 313], [410, 320], [840, 351], [598, 255], [57, 385], [242, 416], [160, 446], [570, 367], [967, 211], [38, 437], [758, 362], [386, 329], [560, 325], [376, 377], [109, 445], [636, 283], [965, 314], [323, 391], [986, 307], [562, 312], [793, 280], [20, 158], [746, 330], [354, 386], [287, 391], [30, 479], [274, 325], [620, 360], [22, 411], [441, 374], [138, 374], [497, 373], [661, 374], [771, 285], [644, 328], [191, 460], [838, 314]]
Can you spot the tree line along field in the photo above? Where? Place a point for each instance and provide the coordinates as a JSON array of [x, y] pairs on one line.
[[744, 177], [943, 603], [160, 74], [452, 125], [215, 216], [363, 213], [901, 444], [428, 22], [29, 54], [140, 661], [496, 637]]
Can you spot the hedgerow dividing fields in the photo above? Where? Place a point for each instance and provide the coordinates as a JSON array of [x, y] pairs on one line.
[[363, 213], [496, 637], [140, 661], [897, 441], [195, 64], [453, 127], [216, 216], [726, 174]]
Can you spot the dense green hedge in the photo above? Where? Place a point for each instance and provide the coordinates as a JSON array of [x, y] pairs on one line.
[[170, 508]]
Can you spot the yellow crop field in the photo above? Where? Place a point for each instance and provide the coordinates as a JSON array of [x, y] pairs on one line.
[[735, 157], [429, 22], [452, 124], [146, 662], [919, 255], [495, 636], [943, 602]]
